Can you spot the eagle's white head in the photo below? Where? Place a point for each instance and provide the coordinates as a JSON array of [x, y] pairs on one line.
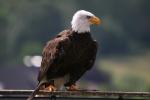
[[82, 20]]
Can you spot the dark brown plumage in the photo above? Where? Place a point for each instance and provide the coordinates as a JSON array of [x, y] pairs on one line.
[[71, 53]]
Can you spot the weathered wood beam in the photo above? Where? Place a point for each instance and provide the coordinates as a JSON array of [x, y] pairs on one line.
[[80, 93]]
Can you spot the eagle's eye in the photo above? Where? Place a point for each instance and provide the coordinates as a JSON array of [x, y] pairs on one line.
[[88, 17]]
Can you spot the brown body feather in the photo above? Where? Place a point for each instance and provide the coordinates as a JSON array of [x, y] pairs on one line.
[[69, 53]]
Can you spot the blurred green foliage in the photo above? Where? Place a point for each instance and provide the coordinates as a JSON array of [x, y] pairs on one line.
[[128, 73], [26, 26]]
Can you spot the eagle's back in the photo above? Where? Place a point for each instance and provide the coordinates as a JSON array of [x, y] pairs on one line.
[[67, 52]]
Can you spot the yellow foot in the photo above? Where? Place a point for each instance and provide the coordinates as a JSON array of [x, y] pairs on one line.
[[51, 88], [72, 88]]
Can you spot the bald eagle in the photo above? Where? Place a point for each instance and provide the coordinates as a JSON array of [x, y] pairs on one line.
[[69, 55]]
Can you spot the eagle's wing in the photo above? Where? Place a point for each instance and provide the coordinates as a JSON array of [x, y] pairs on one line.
[[53, 52]]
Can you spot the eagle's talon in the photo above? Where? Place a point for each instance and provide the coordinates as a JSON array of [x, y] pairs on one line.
[[51, 88], [72, 88]]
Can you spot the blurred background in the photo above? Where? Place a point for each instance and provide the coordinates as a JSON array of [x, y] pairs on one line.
[[123, 59]]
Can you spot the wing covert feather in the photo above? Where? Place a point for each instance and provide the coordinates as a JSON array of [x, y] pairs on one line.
[[53, 52]]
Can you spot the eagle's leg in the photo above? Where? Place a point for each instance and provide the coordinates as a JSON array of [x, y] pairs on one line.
[[73, 78], [72, 87], [50, 87]]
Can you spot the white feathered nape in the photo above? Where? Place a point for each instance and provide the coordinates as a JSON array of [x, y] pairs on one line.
[[80, 21]]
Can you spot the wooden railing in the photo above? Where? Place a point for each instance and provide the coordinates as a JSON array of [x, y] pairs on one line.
[[74, 95]]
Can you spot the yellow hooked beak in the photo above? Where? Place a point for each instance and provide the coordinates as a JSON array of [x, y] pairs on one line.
[[95, 20]]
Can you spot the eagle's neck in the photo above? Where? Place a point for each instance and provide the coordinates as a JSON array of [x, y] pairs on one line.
[[80, 26], [80, 36]]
